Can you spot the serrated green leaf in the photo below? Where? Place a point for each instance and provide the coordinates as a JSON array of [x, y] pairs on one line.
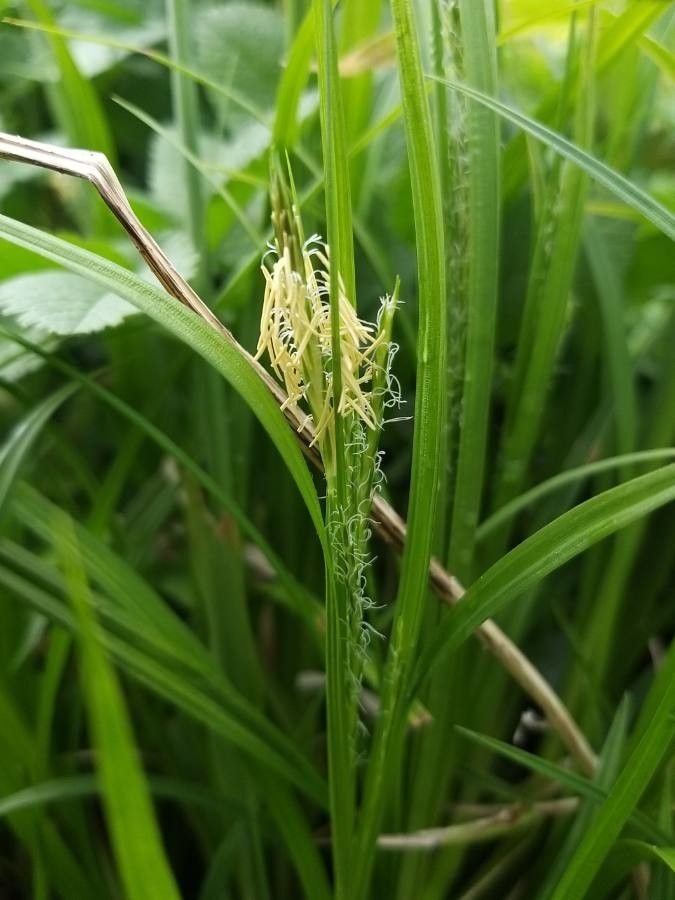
[[61, 303], [240, 43]]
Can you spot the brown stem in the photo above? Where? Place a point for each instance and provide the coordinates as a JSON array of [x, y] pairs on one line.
[[504, 821]]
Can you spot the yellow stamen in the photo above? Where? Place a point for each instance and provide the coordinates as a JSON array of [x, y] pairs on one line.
[[295, 331]]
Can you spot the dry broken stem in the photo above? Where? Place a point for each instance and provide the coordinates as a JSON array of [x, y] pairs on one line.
[[504, 821], [95, 168]]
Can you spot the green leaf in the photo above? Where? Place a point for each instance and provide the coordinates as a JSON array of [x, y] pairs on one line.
[[648, 753], [543, 16], [61, 303], [612, 310], [17, 361], [195, 689], [577, 784], [619, 37], [190, 329], [295, 595], [135, 834], [92, 59], [293, 82], [661, 55], [147, 618], [578, 473], [84, 120], [627, 27], [20, 442], [429, 431], [546, 551], [550, 280], [301, 844], [219, 88], [240, 43], [185, 103], [65, 304], [608, 767], [170, 153], [627, 854], [482, 262], [340, 696], [609, 178], [74, 787]]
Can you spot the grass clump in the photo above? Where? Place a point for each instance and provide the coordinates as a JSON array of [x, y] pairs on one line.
[[251, 524]]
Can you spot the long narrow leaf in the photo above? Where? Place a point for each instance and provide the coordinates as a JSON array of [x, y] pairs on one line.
[[613, 181], [135, 834], [561, 775], [571, 476], [428, 432], [18, 445], [187, 327], [638, 771], [480, 61], [341, 709], [546, 551]]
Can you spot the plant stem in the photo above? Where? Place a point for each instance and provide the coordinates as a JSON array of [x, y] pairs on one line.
[[428, 439], [186, 112], [506, 821], [340, 692]]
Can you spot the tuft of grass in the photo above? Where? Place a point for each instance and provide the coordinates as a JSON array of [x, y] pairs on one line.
[[216, 679]]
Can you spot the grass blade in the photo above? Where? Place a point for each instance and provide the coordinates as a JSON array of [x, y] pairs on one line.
[[643, 762], [188, 328], [571, 476], [480, 61], [186, 113], [188, 694], [621, 35], [609, 765], [18, 445], [340, 698], [296, 596], [563, 776], [73, 787], [546, 551], [549, 285], [427, 438], [616, 183], [293, 82], [172, 642], [135, 835]]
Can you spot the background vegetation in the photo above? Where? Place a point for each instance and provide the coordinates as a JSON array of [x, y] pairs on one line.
[[179, 664]]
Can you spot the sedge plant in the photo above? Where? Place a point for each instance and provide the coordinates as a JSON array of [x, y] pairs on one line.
[[304, 592]]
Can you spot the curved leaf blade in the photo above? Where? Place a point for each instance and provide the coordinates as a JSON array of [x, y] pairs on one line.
[[135, 834], [188, 328], [614, 181], [570, 476], [547, 550], [19, 443]]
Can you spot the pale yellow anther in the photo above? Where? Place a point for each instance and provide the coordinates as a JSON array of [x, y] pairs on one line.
[[296, 333]]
